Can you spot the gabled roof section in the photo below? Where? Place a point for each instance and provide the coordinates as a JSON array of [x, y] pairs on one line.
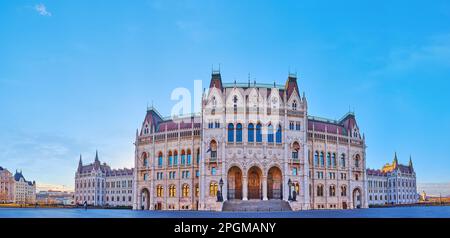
[[348, 121], [152, 117], [216, 80], [291, 86], [326, 125], [19, 175]]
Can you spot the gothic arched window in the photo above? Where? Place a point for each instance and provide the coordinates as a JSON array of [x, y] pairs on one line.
[[343, 191], [333, 160], [239, 132], [183, 157], [230, 132], [357, 161], [251, 132], [343, 160], [213, 189], [296, 149], [316, 158], [185, 192], [160, 159], [145, 159], [278, 135], [320, 190], [270, 133], [258, 132], [170, 159], [322, 161], [332, 191], [175, 158], [328, 159], [213, 149], [189, 157]]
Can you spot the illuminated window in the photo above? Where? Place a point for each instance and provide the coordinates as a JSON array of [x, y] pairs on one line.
[[213, 189], [185, 190]]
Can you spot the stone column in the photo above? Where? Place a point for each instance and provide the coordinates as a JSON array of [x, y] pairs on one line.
[[244, 188], [224, 174], [138, 202], [265, 188]]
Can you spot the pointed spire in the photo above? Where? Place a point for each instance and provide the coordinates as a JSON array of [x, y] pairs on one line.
[[410, 162], [96, 155], [80, 163], [395, 163]]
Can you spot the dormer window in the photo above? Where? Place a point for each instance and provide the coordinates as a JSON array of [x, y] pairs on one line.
[[294, 105], [146, 131], [214, 103], [235, 100]]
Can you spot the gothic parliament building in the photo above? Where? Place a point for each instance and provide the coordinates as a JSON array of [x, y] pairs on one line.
[[250, 142]]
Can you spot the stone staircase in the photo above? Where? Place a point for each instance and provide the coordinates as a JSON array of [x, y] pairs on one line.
[[256, 206]]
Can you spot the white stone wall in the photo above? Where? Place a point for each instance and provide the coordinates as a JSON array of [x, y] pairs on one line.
[[24, 193], [90, 187], [119, 190], [394, 188]]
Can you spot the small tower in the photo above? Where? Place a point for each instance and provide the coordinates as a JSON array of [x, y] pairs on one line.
[[80, 164], [216, 80], [395, 162], [96, 161], [411, 168]]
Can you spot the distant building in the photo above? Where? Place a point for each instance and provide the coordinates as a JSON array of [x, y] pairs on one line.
[[6, 186], [393, 184], [16, 189], [24, 191], [99, 185], [52, 197]]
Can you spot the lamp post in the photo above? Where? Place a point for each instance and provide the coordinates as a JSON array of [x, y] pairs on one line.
[[290, 194], [220, 198]]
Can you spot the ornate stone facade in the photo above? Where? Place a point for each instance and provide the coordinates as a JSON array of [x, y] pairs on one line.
[[251, 141], [6, 186], [393, 184], [99, 185], [16, 189]]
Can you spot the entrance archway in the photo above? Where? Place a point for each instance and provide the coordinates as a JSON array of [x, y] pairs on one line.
[[274, 181], [145, 199], [234, 189], [357, 198], [254, 183]]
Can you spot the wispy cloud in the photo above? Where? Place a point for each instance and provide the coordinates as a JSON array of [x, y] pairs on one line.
[[42, 10], [436, 51], [49, 186]]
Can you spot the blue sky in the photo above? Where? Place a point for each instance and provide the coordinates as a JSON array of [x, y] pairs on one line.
[[76, 76]]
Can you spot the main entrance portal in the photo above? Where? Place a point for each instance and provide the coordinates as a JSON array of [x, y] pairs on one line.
[[234, 190], [274, 188], [254, 183]]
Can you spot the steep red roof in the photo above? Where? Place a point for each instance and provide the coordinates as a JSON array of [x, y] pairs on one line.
[[291, 85], [348, 121], [375, 172], [216, 81], [329, 127], [405, 169]]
